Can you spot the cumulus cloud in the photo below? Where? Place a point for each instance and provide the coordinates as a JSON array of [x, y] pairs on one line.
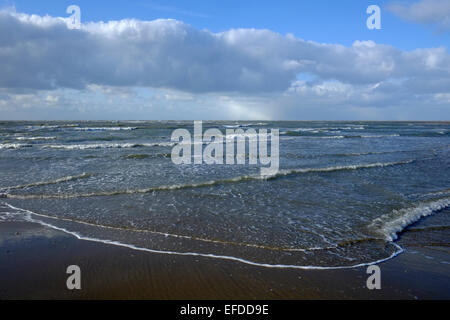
[[166, 69], [42, 53], [434, 12]]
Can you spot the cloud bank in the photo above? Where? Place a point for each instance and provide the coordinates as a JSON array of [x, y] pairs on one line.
[[239, 69]]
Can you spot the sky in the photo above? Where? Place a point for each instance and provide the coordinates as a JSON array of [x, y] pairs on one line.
[[227, 60]]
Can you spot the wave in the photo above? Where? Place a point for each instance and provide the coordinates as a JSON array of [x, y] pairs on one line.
[[327, 128], [98, 139], [391, 224], [107, 145], [138, 144], [14, 145], [243, 125], [309, 134], [312, 134], [352, 127], [250, 136], [351, 154], [343, 243], [35, 138], [280, 173], [44, 183], [357, 154], [104, 128], [181, 236], [77, 128], [438, 193], [338, 168], [432, 193], [229, 126], [374, 136], [43, 127], [28, 216]]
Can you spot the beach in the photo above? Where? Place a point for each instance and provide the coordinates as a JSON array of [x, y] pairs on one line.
[[35, 258]]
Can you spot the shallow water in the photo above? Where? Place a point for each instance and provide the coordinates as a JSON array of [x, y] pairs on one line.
[[344, 191]]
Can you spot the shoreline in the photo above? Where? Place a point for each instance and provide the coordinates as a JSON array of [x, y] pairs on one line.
[[34, 261]]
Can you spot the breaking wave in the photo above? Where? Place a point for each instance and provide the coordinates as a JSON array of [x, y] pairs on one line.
[[107, 145], [391, 224], [104, 128], [14, 145], [44, 183], [280, 173], [35, 138]]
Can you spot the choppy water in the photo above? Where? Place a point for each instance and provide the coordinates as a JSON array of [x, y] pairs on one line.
[[344, 191]]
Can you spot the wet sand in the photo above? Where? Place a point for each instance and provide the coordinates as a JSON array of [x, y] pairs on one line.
[[33, 262]]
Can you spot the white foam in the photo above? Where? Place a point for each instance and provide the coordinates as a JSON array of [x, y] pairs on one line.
[[312, 137], [338, 168], [105, 128], [389, 225], [14, 145], [42, 127], [43, 183], [106, 145], [30, 214], [381, 136], [35, 138], [337, 136]]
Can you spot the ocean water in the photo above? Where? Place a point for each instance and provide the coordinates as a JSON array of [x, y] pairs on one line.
[[344, 193]]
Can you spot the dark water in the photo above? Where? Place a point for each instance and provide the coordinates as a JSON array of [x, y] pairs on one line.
[[343, 194]]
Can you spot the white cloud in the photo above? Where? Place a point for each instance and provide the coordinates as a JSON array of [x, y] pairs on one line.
[[42, 53], [166, 69], [434, 12]]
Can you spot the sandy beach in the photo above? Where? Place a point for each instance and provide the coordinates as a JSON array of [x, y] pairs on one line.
[[34, 261]]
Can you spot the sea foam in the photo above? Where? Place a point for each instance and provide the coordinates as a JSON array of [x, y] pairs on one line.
[[391, 224]]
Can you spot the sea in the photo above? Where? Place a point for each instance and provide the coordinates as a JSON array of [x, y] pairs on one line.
[[343, 196]]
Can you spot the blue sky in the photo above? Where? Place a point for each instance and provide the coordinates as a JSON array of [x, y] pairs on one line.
[[310, 89]]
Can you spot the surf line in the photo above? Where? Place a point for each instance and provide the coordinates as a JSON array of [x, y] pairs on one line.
[[204, 255], [213, 153]]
